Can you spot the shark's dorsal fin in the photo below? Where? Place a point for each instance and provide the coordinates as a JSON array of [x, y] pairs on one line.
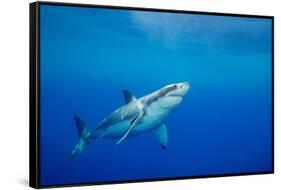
[[128, 96], [132, 125], [79, 124], [162, 135]]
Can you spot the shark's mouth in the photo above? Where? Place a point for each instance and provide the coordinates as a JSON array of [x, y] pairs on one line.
[[177, 94]]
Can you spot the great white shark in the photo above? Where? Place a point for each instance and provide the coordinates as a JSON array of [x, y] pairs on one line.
[[137, 116]]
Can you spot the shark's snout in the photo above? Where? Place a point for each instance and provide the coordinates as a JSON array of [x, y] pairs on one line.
[[182, 88], [184, 85]]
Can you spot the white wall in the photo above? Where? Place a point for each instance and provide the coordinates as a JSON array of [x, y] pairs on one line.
[[14, 93]]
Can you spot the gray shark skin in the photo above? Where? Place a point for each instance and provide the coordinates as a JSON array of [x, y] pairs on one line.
[[137, 116]]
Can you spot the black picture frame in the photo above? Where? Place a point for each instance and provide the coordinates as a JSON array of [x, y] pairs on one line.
[[34, 91]]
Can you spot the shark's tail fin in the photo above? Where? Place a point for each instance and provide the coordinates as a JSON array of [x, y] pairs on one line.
[[85, 135], [73, 154], [81, 125]]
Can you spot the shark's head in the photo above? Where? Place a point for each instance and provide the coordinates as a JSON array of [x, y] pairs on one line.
[[178, 89], [172, 95]]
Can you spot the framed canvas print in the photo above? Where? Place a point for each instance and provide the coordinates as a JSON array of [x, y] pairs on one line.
[[126, 94]]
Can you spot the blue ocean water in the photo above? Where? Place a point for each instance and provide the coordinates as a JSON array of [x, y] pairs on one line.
[[89, 55]]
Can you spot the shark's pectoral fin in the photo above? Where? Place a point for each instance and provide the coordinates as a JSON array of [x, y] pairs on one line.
[[128, 96], [133, 124], [162, 135]]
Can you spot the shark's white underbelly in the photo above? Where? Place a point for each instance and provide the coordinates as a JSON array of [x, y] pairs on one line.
[[151, 120], [119, 129]]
